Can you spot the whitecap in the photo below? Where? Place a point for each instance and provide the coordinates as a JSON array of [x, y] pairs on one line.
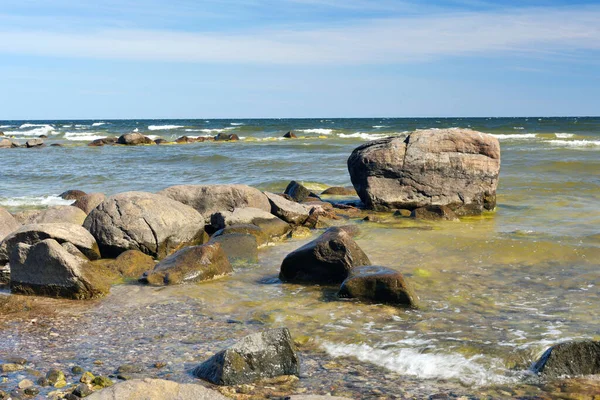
[[320, 131], [363, 135], [31, 125], [237, 123], [216, 130], [516, 136], [575, 143], [135, 130], [89, 136], [5, 126], [34, 201], [380, 126], [564, 135], [40, 130], [163, 127], [98, 123], [518, 128]]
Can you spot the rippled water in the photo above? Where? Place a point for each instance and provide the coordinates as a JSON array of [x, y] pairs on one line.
[[495, 290]]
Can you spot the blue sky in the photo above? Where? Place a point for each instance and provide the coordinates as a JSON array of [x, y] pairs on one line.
[[67, 59]]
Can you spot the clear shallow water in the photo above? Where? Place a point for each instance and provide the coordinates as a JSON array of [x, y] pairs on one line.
[[495, 291]]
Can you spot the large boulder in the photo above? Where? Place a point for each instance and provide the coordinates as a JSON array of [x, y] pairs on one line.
[[208, 199], [8, 223], [288, 211], [454, 167], [378, 284], [61, 232], [47, 269], [8, 143], [132, 139], [55, 214], [271, 225], [37, 142], [154, 224], [90, 201], [570, 358], [261, 355], [326, 260], [155, 389], [190, 264]]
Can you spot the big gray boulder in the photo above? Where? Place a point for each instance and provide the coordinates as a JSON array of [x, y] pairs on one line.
[[132, 139], [155, 389], [272, 226], [8, 223], [454, 167], [61, 232], [208, 199], [261, 355], [570, 359], [90, 201], [48, 269], [154, 224], [326, 260], [37, 142], [55, 214], [288, 211], [190, 264]]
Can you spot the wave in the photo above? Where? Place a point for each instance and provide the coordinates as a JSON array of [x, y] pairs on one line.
[[5, 126], [518, 128], [89, 136], [32, 125], [363, 135], [564, 135], [237, 123], [515, 136], [320, 131], [216, 130], [380, 126], [34, 201], [98, 123], [39, 130], [163, 127], [575, 143]]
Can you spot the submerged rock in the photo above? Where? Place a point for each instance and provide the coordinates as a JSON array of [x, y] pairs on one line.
[[223, 137], [8, 223], [246, 229], [339, 191], [326, 260], [272, 226], [135, 138], [154, 224], [103, 141], [191, 264], [290, 135], [185, 139], [378, 284], [434, 213], [239, 247], [156, 389], [569, 359], [261, 355], [8, 143], [90, 201], [454, 167]]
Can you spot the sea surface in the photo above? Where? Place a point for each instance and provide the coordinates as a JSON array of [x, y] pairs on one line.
[[495, 291]]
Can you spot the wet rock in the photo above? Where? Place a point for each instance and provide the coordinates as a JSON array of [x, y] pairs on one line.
[[296, 191], [191, 264], [47, 269], [102, 382], [454, 167], [34, 143], [402, 213], [132, 263], [103, 141], [261, 355], [133, 139], [56, 214], [569, 358], [378, 284], [319, 218], [300, 232], [153, 224], [55, 376], [4, 275], [72, 194], [11, 367], [185, 139], [156, 389], [43, 382], [240, 248], [56, 145], [8, 223], [61, 232], [339, 191], [87, 378], [32, 391], [25, 383], [161, 141], [271, 225], [246, 229], [223, 137], [290, 135], [434, 213], [90, 201], [314, 397], [288, 211], [8, 144], [77, 370], [82, 390], [326, 260], [208, 199]]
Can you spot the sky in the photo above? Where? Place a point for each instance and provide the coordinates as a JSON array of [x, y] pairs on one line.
[[72, 59]]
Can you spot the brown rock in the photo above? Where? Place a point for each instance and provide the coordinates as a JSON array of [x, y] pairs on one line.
[[290, 135], [90, 201], [339, 191], [132, 264], [434, 213], [8, 223], [54, 214], [132, 139], [72, 194]]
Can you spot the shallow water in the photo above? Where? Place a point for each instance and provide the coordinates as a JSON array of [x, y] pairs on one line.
[[495, 291]]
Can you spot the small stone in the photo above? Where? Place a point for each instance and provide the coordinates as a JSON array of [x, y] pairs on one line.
[[130, 369], [70, 396], [25, 383], [98, 362], [160, 364], [87, 377], [10, 367], [82, 390], [55, 375], [77, 370], [43, 382], [31, 391], [102, 381]]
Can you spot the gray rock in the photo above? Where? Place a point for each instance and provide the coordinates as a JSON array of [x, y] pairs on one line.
[[38, 142], [208, 199], [132, 139], [90, 201], [156, 389], [261, 355], [55, 214], [240, 248], [103, 141], [326, 260], [72, 194], [271, 225], [61, 232], [225, 137], [296, 191], [290, 135], [154, 224], [190, 264], [458, 168], [569, 359], [288, 211], [47, 269], [434, 213], [4, 275], [8, 143], [8, 223]]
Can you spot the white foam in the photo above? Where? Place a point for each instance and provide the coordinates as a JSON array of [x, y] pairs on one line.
[[380, 126], [67, 126], [216, 130], [575, 143], [564, 135], [98, 123], [320, 131], [516, 136], [153, 137], [363, 135], [89, 136], [429, 365], [164, 127], [5, 126], [136, 130], [518, 128], [237, 123], [32, 201], [39, 130], [31, 125]]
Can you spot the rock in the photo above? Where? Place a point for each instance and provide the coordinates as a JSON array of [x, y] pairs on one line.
[[56, 145], [8, 223], [161, 141], [403, 213], [290, 135], [185, 139], [569, 358], [11, 367], [246, 229], [221, 137], [454, 167], [288, 211], [261, 355], [271, 225], [102, 381], [8, 144], [208, 199], [378, 284], [319, 218], [297, 192], [132, 264], [77, 370], [61, 232], [1, 133], [339, 191], [153, 224], [74, 251], [240, 248], [326, 260], [90, 201], [32, 391], [130, 369], [434, 213], [34, 143], [25, 383], [87, 378], [133, 139], [190, 264], [47, 269], [72, 194], [54, 376], [103, 141], [43, 136], [82, 390], [56, 214], [156, 389], [4, 275]]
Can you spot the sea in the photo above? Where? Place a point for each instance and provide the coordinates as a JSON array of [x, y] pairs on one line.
[[495, 291]]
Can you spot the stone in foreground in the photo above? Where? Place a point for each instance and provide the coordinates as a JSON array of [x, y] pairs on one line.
[[47, 269], [326, 260], [56, 214], [297, 191], [156, 389], [8, 223], [378, 284], [570, 359], [90, 201], [288, 211], [153, 224], [190, 264], [454, 167], [261, 355]]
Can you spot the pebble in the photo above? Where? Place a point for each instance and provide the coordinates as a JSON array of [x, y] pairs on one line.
[[32, 391], [25, 383], [77, 370], [11, 367]]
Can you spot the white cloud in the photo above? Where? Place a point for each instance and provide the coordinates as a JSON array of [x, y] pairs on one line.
[[525, 31]]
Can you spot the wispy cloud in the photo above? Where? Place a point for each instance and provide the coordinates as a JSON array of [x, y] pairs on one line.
[[381, 41]]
